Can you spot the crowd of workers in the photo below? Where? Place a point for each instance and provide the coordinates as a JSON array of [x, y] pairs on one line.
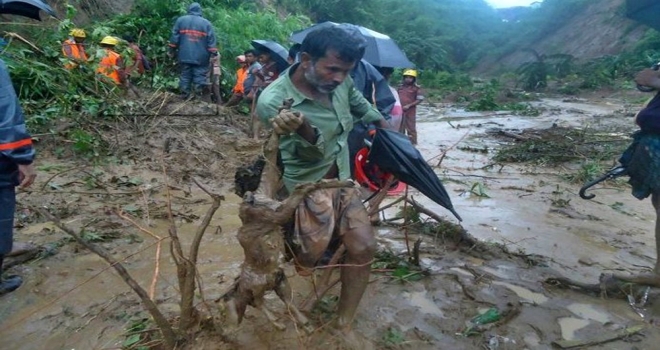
[[111, 65]]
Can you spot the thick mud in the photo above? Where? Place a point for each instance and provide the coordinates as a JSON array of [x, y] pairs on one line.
[[532, 223]]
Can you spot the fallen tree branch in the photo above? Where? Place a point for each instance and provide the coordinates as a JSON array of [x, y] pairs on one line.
[[606, 337], [169, 336]]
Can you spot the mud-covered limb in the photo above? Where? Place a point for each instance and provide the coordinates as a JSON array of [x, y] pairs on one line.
[[604, 338], [169, 336], [271, 174]]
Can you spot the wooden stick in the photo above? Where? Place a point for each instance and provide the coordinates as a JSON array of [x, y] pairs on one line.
[[405, 219], [606, 337]]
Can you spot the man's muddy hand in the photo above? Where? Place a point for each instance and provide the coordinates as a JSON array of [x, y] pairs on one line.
[[287, 122]]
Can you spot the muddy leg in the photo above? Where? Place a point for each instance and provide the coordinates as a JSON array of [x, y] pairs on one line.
[[360, 246], [655, 199]]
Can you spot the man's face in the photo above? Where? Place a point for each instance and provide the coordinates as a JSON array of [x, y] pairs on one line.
[[249, 58], [78, 39], [327, 73], [264, 58], [408, 79]]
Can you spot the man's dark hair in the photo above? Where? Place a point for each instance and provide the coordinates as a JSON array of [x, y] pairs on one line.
[[129, 38], [293, 51], [349, 46], [250, 51]]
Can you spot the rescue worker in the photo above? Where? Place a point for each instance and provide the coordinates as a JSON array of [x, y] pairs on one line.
[[241, 74], [74, 48], [194, 44], [410, 95], [16, 157], [111, 64]]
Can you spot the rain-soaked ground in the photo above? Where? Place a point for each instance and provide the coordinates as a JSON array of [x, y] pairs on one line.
[[73, 300]]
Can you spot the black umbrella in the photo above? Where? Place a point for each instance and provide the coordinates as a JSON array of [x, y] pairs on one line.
[[381, 50], [26, 8], [394, 153], [644, 11], [280, 53]]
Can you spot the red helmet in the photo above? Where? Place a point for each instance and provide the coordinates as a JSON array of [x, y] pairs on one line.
[[367, 174]]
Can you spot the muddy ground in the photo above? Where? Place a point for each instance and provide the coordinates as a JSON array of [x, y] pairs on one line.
[[530, 221]]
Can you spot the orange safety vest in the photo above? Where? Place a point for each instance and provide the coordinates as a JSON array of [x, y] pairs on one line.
[[73, 50], [109, 66], [241, 74]]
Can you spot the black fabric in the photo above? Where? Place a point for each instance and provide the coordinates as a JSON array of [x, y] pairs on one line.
[[394, 153], [648, 118]]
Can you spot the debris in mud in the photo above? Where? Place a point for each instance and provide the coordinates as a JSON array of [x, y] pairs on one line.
[[625, 333], [558, 145]]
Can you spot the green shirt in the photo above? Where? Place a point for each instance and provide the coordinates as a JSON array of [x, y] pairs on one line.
[[305, 162]]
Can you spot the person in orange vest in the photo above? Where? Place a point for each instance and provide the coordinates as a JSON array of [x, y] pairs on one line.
[[238, 91], [74, 48], [111, 65]]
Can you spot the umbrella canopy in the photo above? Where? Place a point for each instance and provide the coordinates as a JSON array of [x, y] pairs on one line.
[[381, 50], [644, 11], [26, 8], [394, 153], [278, 53]]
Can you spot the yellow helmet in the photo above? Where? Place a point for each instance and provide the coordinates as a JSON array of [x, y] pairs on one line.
[[410, 73], [110, 40], [78, 33]]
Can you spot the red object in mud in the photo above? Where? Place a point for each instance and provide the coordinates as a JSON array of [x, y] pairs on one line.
[[368, 174]]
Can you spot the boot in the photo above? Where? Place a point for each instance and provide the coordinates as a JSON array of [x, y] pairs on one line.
[[9, 284]]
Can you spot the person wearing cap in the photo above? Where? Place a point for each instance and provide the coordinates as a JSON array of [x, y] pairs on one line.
[[74, 48], [410, 95], [193, 42], [111, 65], [241, 74]]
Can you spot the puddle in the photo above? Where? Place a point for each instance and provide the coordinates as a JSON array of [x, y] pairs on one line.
[[536, 298], [589, 312], [570, 325], [421, 301]]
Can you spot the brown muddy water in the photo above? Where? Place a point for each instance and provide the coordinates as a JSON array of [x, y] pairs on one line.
[[72, 300]]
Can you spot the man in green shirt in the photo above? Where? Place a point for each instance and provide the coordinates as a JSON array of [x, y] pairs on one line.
[[313, 146]]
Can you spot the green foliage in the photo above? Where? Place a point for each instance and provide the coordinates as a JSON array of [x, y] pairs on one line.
[[393, 337], [588, 171]]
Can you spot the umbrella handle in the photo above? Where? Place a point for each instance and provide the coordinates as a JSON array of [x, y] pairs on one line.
[[614, 173]]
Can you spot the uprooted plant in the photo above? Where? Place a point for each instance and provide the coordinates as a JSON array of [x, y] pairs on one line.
[[186, 265]]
